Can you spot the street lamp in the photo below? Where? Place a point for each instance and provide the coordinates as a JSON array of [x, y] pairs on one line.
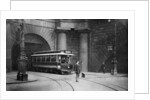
[[22, 60], [114, 60]]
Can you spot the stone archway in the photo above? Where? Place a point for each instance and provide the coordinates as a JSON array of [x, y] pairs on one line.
[[33, 43]]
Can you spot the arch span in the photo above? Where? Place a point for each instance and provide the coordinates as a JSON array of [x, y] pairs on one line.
[[34, 42]]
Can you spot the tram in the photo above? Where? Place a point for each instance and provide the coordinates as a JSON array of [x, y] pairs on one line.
[[52, 61]]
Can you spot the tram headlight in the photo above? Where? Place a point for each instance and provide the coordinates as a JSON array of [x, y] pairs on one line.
[[58, 66]]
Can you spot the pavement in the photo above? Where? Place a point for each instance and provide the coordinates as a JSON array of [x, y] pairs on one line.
[[38, 81], [12, 79]]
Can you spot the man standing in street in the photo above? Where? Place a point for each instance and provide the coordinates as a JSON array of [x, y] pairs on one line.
[[77, 70]]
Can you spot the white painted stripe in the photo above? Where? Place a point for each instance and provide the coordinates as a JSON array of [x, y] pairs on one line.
[[45, 66], [52, 54]]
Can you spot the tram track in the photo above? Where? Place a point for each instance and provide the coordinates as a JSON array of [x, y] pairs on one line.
[[60, 81], [121, 88], [69, 85], [101, 84], [57, 81], [50, 79], [107, 76], [108, 86], [118, 86]]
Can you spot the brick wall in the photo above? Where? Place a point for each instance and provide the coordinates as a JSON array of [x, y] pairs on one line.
[[102, 34]]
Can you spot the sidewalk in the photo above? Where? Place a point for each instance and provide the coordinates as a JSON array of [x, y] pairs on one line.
[[12, 78]]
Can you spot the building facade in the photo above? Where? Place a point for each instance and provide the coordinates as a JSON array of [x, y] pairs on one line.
[[88, 39]]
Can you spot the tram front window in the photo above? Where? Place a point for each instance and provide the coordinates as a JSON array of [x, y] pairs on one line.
[[64, 59]]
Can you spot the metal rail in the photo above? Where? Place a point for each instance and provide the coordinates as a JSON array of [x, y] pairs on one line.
[[101, 84], [58, 82], [69, 85], [51, 79], [110, 83]]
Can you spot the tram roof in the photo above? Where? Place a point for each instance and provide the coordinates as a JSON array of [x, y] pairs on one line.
[[47, 54], [55, 51]]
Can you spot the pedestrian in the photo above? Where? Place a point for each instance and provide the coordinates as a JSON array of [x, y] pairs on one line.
[[112, 66], [103, 67], [77, 70]]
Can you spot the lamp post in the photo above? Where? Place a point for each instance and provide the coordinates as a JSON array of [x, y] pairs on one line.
[[22, 60], [114, 60], [115, 49]]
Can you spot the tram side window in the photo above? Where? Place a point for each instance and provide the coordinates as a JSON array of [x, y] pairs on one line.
[[48, 59], [53, 58], [43, 59]]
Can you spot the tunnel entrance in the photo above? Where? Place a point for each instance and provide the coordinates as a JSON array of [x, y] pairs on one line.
[[34, 43]]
